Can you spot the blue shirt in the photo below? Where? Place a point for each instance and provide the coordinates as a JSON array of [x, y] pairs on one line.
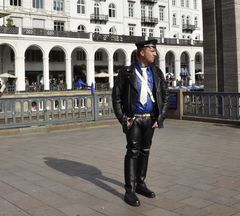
[[149, 106]]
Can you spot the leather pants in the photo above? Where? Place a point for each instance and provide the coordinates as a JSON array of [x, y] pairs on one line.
[[139, 140]]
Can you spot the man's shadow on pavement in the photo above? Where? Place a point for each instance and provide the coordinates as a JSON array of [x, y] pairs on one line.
[[84, 171]]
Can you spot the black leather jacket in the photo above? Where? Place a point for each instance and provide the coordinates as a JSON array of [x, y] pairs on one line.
[[125, 94]]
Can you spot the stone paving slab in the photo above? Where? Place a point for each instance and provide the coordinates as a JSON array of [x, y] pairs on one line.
[[194, 169]]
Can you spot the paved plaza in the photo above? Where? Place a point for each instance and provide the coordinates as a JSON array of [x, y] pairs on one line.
[[194, 170]]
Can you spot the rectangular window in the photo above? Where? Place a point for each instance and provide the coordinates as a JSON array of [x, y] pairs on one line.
[[187, 3], [144, 31], [37, 3], [173, 2], [150, 32], [162, 32], [143, 11], [16, 2], [131, 9], [150, 11], [161, 13], [131, 30], [182, 3], [58, 5], [174, 19], [195, 4], [81, 7], [58, 26]]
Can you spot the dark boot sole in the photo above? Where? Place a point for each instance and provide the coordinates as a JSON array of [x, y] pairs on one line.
[[136, 204]]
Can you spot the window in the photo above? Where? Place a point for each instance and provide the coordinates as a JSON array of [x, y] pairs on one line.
[[188, 20], [161, 13], [195, 4], [112, 10], [97, 30], [162, 31], [37, 3], [81, 6], [131, 30], [98, 56], [150, 11], [16, 2], [173, 2], [144, 31], [187, 3], [183, 20], [112, 31], [96, 9], [143, 11], [81, 56], [81, 28], [58, 5], [130, 9], [196, 22], [58, 26], [150, 32], [174, 19], [182, 3]]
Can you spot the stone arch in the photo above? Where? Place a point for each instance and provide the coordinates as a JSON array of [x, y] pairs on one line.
[[101, 70], [119, 59], [199, 73], [57, 68], [185, 60], [170, 58], [7, 55], [79, 64], [33, 68]]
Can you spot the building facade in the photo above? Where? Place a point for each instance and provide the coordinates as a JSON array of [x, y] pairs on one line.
[[61, 40], [221, 33]]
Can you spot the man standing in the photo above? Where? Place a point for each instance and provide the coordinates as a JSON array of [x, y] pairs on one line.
[[140, 102]]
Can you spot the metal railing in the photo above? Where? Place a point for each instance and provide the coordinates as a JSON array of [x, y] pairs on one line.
[[52, 33], [9, 30], [97, 36], [184, 42], [212, 105], [116, 38], [149, 1], [37, 111], [149, 20], [99, 17]]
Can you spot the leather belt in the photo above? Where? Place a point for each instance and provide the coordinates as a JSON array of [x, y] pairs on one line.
[[143, 115]]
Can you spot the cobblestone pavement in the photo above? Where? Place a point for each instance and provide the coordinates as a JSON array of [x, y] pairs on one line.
[[194, 170]]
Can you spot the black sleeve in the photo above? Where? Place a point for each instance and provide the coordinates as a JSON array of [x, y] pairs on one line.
[[117, 95]]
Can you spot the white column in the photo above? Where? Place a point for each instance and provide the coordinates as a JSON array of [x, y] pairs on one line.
[[68, 73], [110, 69], [20, 73], [192, 70], [128, 61], [46, 73], [90, 71], [177, 69]]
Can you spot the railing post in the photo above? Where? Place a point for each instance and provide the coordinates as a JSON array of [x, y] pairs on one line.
[[95, 106]]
